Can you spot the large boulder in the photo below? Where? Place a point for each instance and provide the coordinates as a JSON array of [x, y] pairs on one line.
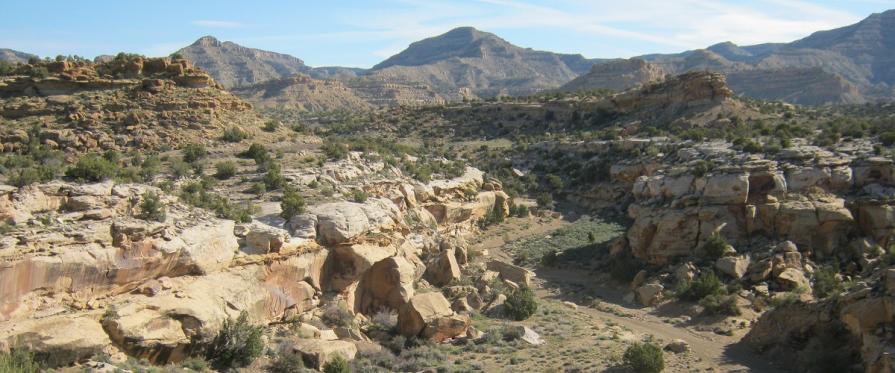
[[510, 272], [60, 340], [316, 353], [443, 269], [341, 222], [733, 266], [430, 315], [649, 294], [387, 284]]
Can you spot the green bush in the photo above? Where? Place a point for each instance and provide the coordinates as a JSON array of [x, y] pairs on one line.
[[92, 167], [151, 207], [707, 283], [6, 67], [39, 72], [359, 196], [234, 134], [337, 315], [192, 153], [292, 204], [521, 304], [715, 246], [31, 174], [271, 126], [273, 179], [887, 138], [336, 365], [644, 358], [287, 362], [257, 152], [225, 170], [827, 282], [335, 151], [18, 361], [238, 344], [196, 194], [716, 304]]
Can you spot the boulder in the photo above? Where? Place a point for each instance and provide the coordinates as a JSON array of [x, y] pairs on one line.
[[524, 334], [63, 339], [511, 272], [387, 284], [733, 266], [443, 269], [677, 346], [315, 353], [650, 294], [791, 279], [430, 315], [340, 222]]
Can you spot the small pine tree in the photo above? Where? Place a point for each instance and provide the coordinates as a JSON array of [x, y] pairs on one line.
[[238, 344]]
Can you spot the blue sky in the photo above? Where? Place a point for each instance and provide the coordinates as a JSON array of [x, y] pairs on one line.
[[362, 33]]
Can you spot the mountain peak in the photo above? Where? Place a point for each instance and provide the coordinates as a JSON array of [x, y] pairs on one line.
[[208, 41]]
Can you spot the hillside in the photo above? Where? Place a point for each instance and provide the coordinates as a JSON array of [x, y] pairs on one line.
[[486, 64], [233, 65], [10, 55]]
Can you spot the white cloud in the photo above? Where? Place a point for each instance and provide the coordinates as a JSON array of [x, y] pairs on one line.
[[216, 23]]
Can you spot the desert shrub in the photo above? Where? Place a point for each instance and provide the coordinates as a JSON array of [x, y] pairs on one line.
[[337, 315], [151, 207], [334, 150], [707, 283], [192, 153], [521, 304], [257, 152], [271, 126], [225, 170], [544, 200], [336, 365], [31, 174], [92, 167], [715, 246], [549, 258], [359, 196], [887, 138], [292, 203], [39, 72], [18, 361], [717, 304], [827, 282], [195, 364], [5, 67], [150, 167], [287, 362], [644, 358], [238, 344], [555, 182], [196, 194], [234, 134], [273, 179]]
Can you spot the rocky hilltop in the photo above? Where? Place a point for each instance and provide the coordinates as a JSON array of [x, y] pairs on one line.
[[303, 93], [129, 101], [482, 62], [233, 65], [619, 75]]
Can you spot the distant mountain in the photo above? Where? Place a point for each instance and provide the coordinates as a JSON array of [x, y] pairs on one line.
[[233, 65], [481, 62], [851, 64], [617, 75], [10, 55]]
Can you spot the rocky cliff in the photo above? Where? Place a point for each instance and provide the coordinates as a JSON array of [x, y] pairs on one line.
[[619, 75]]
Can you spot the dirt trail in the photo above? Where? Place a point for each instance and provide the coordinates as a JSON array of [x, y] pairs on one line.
[[722, 352]]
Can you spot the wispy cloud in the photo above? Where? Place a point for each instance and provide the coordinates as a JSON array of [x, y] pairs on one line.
[[216, 23]]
